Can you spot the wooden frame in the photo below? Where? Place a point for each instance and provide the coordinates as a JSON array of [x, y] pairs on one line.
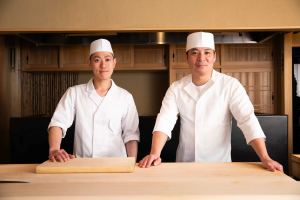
[[255, 70], [288, 103]]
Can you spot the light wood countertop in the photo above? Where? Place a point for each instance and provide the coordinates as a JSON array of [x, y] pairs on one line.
[[166, 181]]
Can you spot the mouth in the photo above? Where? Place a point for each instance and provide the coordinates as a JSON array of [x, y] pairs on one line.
[[201, 65]]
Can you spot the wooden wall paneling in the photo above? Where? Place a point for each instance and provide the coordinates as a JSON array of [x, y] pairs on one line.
[[149, 57], [74, 57], [288, 104], [259, 85], [39, 57], [176, 56], [124, 55], [247, 54], [296, 40]]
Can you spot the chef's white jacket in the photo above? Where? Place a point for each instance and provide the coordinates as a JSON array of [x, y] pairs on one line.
[[205, 121], [101, 128]]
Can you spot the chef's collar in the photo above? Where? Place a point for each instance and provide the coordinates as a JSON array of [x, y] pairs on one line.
[[213, 76], [90, 86]]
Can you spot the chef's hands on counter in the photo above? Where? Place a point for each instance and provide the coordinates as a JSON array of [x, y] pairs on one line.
[[59, 155], [158, 141], [259, 146], [55, 153]]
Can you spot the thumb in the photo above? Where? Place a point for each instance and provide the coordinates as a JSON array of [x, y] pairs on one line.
[[71, 156], [157, 161]]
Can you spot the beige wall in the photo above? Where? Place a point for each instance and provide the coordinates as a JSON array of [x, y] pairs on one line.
[[147, 88], [18, 15]]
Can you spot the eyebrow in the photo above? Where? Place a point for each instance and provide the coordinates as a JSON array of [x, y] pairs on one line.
[[104, 56]]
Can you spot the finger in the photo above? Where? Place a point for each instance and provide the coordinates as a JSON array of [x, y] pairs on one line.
[[63, 156], [149, 162], [59, 158], [52, 158], [140, 163], [71, 156], [271, 168], [279, 168], [157, 161], [143, 162]]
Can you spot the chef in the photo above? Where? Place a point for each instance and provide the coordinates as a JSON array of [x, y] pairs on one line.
[[106, 119], [206, 100]]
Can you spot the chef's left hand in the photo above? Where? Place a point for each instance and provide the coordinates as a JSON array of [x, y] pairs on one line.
[[272, 165]]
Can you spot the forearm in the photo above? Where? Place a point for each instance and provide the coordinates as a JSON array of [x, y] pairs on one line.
[[259, 146], [55, 136], [132, 148], [158, 141]]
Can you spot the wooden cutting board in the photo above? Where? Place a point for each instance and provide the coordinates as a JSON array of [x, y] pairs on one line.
[[80, 165]]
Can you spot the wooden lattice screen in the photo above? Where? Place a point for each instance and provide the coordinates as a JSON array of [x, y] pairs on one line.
[[41, 92]]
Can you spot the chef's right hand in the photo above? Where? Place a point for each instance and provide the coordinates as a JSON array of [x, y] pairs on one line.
[[60, 155], [148, 160]]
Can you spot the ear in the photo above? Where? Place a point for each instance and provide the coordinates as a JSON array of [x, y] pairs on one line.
[[115, 62], [186, 57], [215, 56], [89, 63]]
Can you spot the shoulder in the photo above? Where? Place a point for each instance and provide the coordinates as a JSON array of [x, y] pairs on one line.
[[181, 83], [226, 80]]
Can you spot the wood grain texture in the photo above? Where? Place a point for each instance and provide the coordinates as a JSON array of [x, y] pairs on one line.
[[296, 165], [166, 181], [132, 15], [288, 92], [80, 165], [259, 85]]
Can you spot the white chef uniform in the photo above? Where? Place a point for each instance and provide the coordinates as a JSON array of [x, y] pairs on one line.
[[102, 125], [205, 121]]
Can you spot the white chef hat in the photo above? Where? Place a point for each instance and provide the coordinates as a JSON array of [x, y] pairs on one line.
[[100, 45], [200, 39]]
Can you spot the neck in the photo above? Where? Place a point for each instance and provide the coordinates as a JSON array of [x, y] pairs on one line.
[[201, 79], [102, 86]]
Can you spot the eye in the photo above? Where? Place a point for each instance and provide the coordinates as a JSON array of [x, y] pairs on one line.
[[107, 60], [207, 52], [195, 52], [96, 60]]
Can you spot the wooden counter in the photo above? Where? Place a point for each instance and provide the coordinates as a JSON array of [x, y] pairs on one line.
[[296, 165], [166, 181]]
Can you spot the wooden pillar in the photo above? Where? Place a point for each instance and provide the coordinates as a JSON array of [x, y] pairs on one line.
[[288, 104], [3, 97]]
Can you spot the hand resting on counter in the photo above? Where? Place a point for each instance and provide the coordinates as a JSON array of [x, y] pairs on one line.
[[55, 153], [60, 155]]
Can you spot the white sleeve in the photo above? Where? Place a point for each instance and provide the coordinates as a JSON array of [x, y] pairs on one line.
[[243, 111], [64, 114], [167, 116], [130, 122]]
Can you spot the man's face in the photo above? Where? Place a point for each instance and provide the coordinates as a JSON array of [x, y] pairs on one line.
[[200, 60], [102, 64]]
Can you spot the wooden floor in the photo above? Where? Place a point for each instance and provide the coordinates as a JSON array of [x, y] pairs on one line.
[[166, 181]]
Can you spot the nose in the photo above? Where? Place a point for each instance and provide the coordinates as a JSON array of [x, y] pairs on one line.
[[201, 57], [101, 64]]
